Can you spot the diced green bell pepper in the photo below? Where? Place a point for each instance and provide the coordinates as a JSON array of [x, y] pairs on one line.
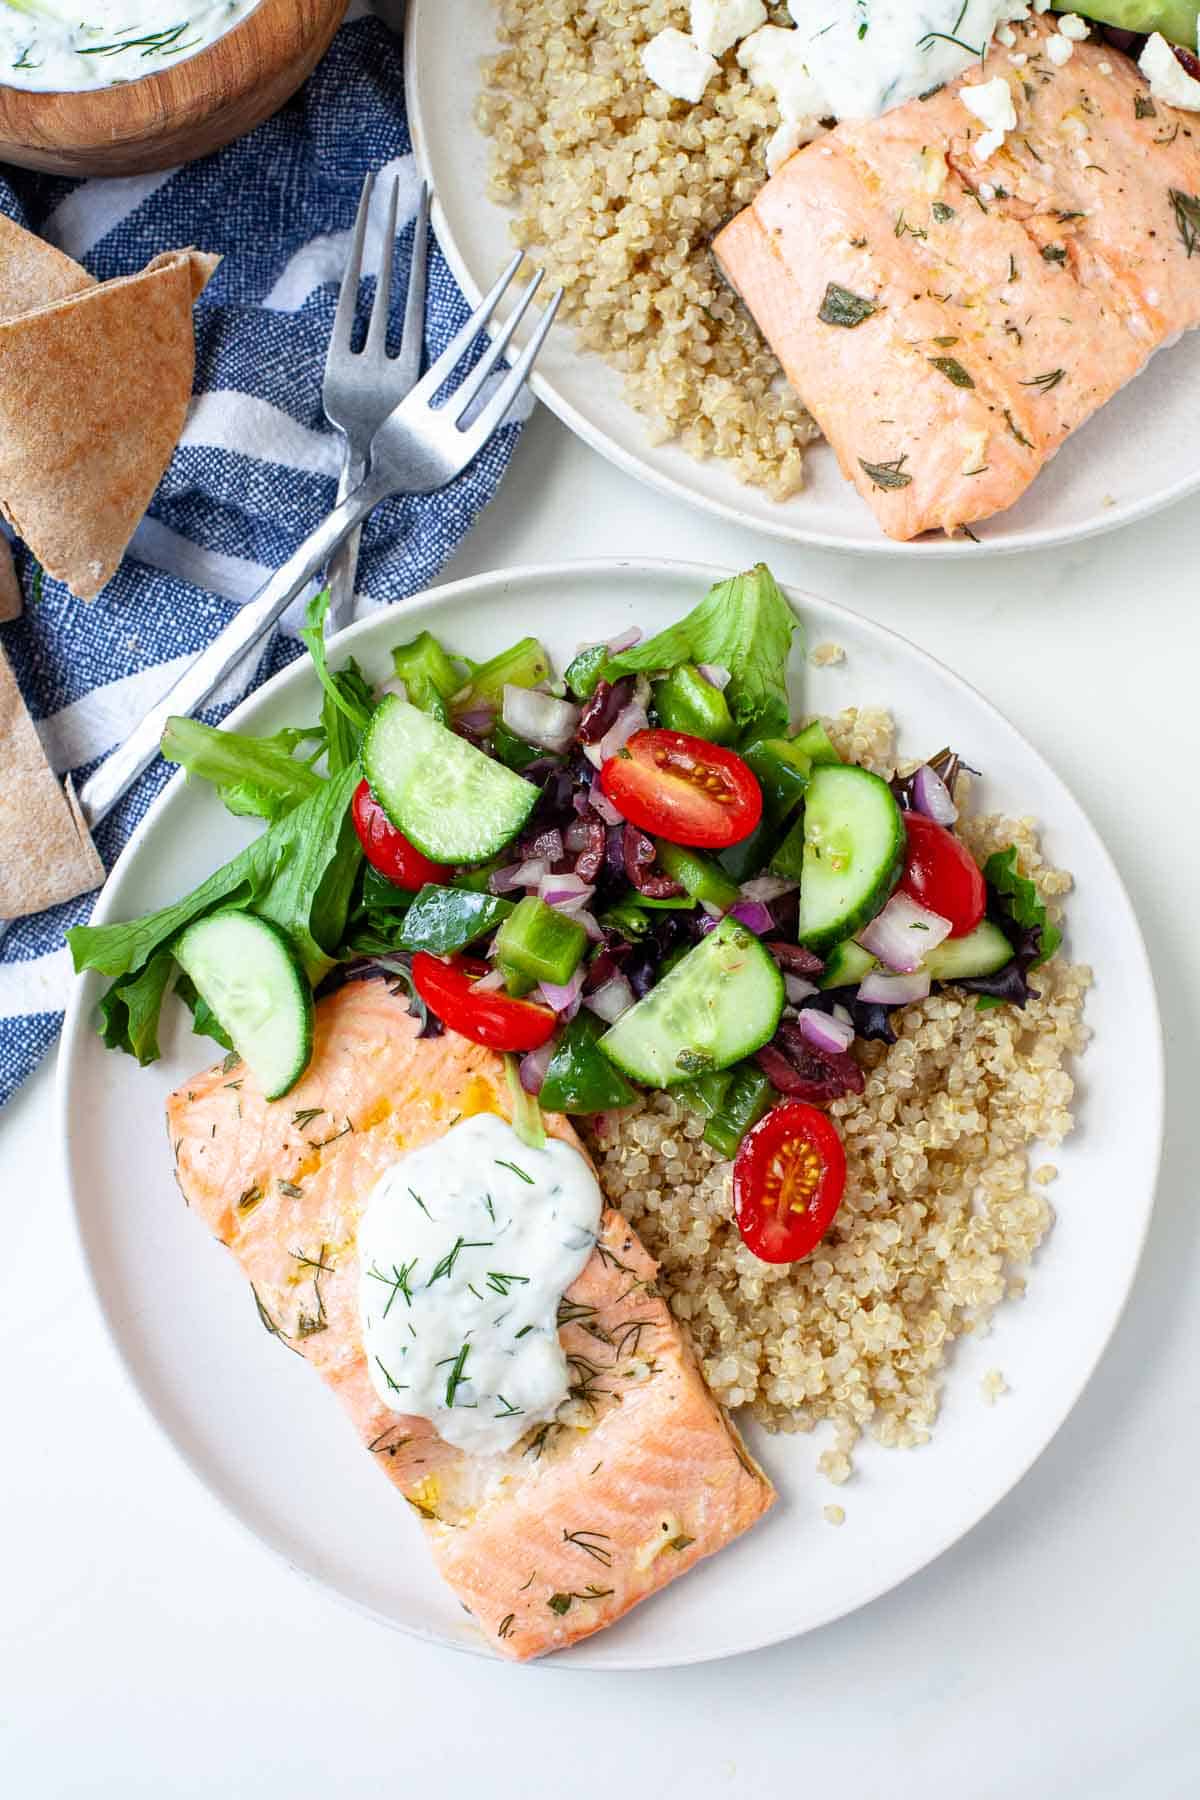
[[704, 879], [685, 701], [783, 771], [511, 750], [748, 1097], [430, 678], [583, 676], [524, 665], [580, 1079], [516, 982], [814, 742], [445, 919], [541, 942], [707, 1093], [379, 895]]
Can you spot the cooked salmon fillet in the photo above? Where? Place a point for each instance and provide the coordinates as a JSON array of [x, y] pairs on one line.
[[641, 1475], [1011, 298]]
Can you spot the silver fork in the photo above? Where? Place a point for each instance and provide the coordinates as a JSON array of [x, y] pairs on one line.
[[418, 449], [361, 388]]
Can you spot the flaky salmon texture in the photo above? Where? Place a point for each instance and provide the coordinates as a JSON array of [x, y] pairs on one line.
[[639, 1477], [1010, 299]]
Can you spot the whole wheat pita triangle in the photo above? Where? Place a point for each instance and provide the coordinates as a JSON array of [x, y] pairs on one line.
[[33, 273], [94, 390]]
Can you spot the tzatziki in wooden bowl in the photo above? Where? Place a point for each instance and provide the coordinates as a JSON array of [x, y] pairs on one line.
[[130, 86]]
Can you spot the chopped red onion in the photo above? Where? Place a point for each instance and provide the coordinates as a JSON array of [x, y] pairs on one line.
[[534, 1066], [931, 796], [882, 989], [797, 988], [527, 875], [753, 915], [631, 718], [612, 1000], [489, 983], [767, 888], [626, 641], [478, 722], [844, 1014], [904, 933], [540, 718], [563, 999], [565, 890], [824, 1032], [604, 806], [588, 920], [715, 675]]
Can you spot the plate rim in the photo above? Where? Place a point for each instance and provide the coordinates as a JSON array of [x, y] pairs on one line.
[[77, 1034], [642, 465]]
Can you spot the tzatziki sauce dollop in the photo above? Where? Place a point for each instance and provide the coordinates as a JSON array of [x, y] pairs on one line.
[[465, 1248], [866, 56], [56, 47]]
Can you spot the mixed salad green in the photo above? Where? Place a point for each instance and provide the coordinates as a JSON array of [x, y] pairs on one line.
[[640, 874]]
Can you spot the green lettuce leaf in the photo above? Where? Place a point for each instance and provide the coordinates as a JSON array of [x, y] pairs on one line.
[[1021, 901], [130, 1010], [744, 625], [255, 776]]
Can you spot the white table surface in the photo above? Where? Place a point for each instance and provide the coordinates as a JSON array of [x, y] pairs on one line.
[[148, 1646]]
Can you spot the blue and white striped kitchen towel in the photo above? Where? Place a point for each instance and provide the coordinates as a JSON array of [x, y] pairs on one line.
[[256, 467]]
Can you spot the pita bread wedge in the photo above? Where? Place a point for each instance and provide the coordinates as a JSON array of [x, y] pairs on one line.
[[12, 601], [46, 854], [33, 273], [94, 389]]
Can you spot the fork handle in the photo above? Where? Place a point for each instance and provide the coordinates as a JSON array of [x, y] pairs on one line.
[[343, 565], [115, 776]]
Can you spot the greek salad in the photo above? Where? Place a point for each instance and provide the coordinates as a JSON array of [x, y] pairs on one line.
[[641, 873]]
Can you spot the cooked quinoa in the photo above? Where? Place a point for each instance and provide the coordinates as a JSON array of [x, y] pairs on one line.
[[617, 190], [942, 1212]]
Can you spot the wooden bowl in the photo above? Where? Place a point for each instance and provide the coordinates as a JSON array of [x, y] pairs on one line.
[[180, 113]]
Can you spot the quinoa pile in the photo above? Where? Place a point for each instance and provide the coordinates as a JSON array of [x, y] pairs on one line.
[[942, 1211], [618, 190]]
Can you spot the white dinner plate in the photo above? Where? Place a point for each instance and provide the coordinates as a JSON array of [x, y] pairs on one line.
[[1140, 453], [264, 1436]]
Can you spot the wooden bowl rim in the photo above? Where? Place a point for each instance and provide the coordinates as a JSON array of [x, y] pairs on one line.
[[157, 87]]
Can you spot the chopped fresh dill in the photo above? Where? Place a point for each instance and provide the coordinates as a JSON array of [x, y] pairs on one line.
[[593, 1544], [1187, 218], [887, 474], [500, 1283], [414, 1195], [1049, 380], [446, 1266], [456, 1377], [305, 1116], [504, 1629], [952, 369], [397, 1387], [516, 1169], [1016, 430]]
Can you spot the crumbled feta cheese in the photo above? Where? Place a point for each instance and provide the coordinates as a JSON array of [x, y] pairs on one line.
[[1072, 26], [1059, 50], [678, 66], [1006, 35], [1169, 80], [992, 104], [773, 57], [717, 25], [789, 137]]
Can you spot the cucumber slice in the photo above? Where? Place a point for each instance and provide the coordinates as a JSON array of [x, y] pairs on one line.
[[846, 965], [249, 975], [721, 1003], [447, 797], [981, 952], [854, 847]]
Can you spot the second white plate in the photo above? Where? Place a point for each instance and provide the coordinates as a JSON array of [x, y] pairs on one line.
[[262, 1435], [1140, 453]]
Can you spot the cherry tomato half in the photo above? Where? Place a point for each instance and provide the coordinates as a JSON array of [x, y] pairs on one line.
[[387, 849], [683, 789], [788, 1182], [493, 1019], [942, 874]]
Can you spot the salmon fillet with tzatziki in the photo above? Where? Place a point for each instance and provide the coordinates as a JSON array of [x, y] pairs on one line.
[[637, 1476], [949, 322]]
